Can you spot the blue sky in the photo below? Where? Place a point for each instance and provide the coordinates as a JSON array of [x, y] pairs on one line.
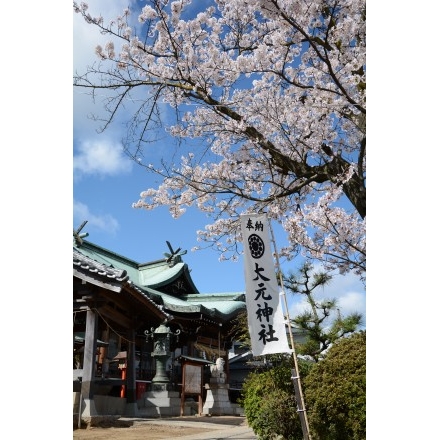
[[106, 183]]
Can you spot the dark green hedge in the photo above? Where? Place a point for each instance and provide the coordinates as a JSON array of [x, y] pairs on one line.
[[335, 391]]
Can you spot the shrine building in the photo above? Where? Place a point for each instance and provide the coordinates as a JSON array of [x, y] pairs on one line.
[[146, 342]]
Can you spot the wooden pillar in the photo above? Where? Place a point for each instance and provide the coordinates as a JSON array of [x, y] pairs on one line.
[[89, 364], [131, 403], [104, 352]]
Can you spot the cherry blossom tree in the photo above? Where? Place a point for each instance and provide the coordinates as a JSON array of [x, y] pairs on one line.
[[274, 89]]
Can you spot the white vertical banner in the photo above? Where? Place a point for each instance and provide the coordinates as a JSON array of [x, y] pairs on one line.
[[266, 321]]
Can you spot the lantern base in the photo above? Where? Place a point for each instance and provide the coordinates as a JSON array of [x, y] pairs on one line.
[[161, 403]]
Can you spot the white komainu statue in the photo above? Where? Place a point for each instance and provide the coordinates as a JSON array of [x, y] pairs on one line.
[[217, 370]]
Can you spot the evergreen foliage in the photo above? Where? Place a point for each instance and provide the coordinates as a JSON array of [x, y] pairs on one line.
[[335, 391], [315, 319], [269, 402]]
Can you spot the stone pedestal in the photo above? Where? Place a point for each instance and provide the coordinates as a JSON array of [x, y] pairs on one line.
[[217, 392], [217, 398], [161, 403]]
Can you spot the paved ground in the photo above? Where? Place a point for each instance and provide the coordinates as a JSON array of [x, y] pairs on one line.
[[221, 427], [181, 428]]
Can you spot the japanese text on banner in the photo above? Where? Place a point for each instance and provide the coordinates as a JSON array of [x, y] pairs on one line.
[[265, 316]]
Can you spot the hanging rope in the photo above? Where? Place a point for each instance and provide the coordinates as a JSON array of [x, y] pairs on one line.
[[109, 326]]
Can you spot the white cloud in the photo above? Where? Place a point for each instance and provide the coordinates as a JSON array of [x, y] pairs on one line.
[[85, 39], [106, 222], [85, 33], [352, 302], [91, 108], [87, 36], [299, 306], [350, 293], [101, 158]]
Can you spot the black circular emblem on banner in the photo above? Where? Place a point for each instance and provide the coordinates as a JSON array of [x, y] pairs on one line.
[[256, 245]]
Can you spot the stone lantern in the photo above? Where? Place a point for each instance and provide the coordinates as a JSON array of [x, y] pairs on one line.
[[162, 341]]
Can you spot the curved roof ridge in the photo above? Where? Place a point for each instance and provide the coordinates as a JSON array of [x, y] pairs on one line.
[[82, 261]]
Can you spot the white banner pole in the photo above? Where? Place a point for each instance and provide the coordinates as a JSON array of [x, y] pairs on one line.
[[295, 376]]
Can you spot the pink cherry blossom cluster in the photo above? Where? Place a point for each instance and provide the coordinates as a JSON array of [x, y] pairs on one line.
[[276, 91]]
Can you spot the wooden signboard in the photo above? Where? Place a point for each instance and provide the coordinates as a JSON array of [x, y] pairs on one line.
[[192, 381]]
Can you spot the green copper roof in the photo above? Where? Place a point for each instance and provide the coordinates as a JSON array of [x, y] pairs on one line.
[[169, 284], [225, 308], [153, 274], [158, 276], [213, 297]]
